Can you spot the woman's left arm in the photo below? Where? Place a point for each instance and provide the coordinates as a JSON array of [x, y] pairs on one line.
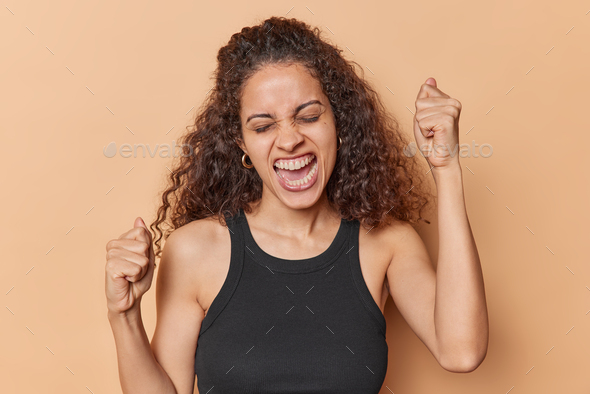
[[460, 312], [459, 333]]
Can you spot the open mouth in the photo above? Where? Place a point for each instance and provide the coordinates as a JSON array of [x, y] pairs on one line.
[[297, 173]]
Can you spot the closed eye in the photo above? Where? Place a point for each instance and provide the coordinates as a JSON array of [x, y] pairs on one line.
[[310, 120], [306, 120]]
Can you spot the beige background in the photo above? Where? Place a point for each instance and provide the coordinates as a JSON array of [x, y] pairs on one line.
[[76, 76]]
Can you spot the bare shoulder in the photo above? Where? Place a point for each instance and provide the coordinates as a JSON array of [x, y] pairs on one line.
[[200, 251], [189, 254], [195, 235], [387, 240]]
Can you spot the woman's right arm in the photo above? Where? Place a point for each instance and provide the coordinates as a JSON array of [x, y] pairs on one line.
[[166, 366], [139, 372]]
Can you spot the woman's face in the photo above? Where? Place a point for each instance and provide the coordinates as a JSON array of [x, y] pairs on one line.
[[289, 133]]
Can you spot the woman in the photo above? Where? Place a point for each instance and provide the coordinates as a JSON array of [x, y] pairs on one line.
[[290, 225]]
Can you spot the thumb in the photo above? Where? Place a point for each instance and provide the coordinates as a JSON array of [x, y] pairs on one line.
[[424, 91], [431, 81], [139, 223]]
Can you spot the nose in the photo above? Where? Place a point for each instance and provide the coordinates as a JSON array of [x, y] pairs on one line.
[[288, 137]]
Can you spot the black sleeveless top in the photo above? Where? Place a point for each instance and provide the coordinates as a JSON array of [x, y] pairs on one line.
[[292, 326]]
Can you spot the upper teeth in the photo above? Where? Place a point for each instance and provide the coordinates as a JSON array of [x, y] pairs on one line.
[[294, 165]]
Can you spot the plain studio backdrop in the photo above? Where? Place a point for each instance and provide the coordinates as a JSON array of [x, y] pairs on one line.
[[78, 76]]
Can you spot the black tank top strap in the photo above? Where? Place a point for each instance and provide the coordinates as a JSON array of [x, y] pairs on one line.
[[233, 276], [359, 281]]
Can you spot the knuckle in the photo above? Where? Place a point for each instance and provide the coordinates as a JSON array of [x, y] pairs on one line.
[[144, 247], [454, 111], [136, 270], [449, 120], [111, 244], [146, 232], [111, 266], [144, 261], [111, 253]]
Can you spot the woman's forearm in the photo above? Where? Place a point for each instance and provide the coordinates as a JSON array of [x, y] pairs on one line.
[[139, 371], [460, 312]]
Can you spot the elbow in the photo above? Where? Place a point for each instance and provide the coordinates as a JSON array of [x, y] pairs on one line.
[[464, 353], [464, 363]]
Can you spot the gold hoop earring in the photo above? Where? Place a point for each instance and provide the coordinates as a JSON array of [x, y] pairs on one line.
[[339, 145], [244, 161]]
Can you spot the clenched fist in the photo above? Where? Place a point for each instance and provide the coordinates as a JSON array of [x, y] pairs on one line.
[[436, 125], [129, 268]]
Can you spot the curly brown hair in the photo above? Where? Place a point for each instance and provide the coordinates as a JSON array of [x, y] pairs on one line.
[[373, 181]]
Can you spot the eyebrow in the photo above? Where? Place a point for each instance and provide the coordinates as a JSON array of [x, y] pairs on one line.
[[299, 108]]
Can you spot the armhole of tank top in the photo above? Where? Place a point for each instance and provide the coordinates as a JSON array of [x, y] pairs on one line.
[[359, 281], [231, 281]]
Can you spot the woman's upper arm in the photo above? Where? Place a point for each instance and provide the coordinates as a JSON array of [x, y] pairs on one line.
[[412, 284], [179, 315]]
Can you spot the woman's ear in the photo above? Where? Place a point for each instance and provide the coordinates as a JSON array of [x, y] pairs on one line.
[[240, 143]]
